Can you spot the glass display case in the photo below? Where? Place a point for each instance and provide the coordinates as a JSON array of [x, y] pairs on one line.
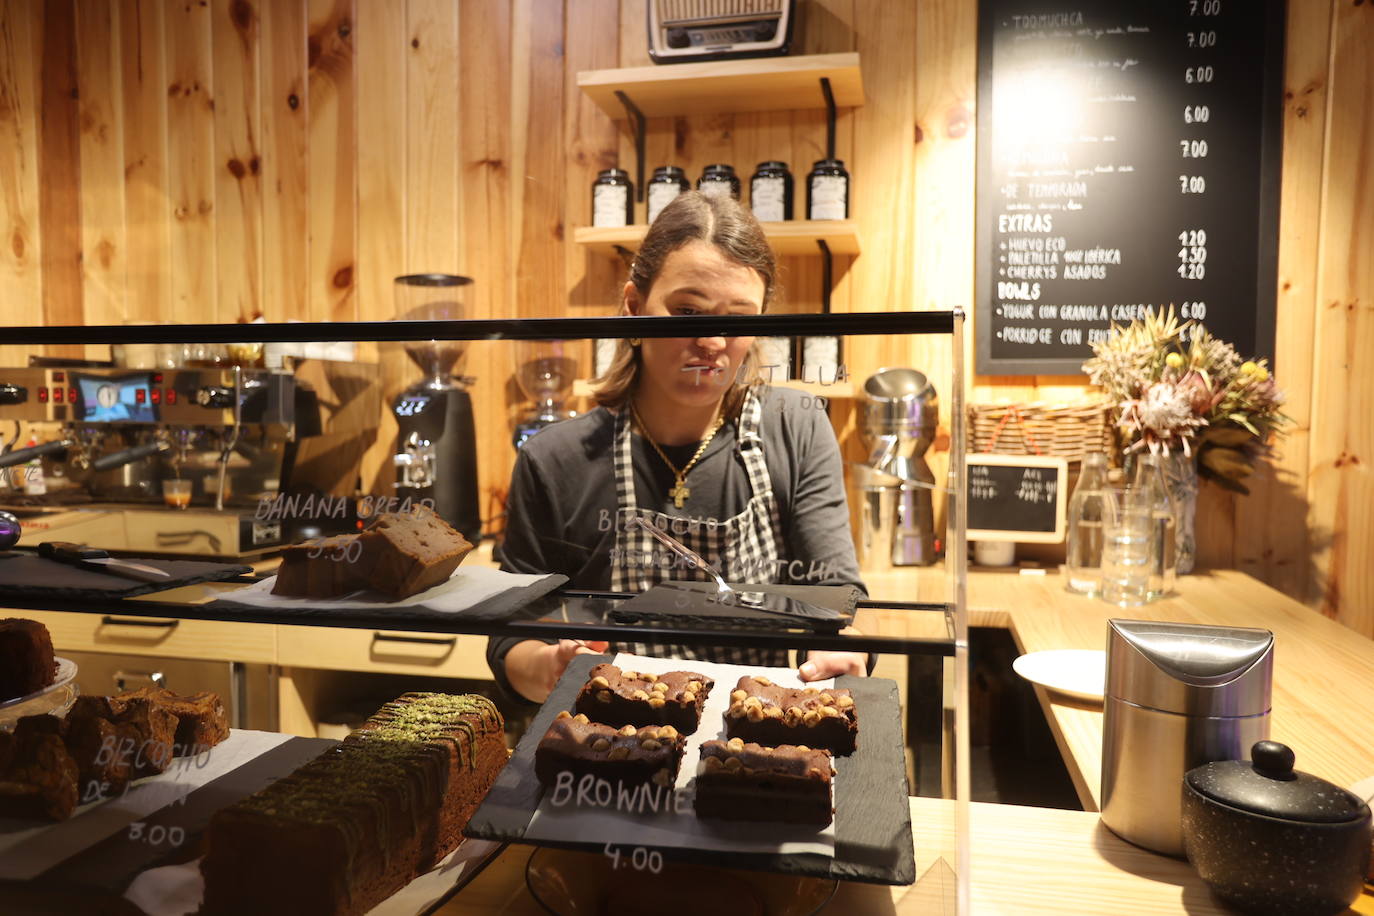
[[285, 438]]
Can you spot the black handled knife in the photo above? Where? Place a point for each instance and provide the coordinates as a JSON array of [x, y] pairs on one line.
[[97, 560]]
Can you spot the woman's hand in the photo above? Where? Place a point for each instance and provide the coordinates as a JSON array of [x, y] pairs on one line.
[[821, 665], [533, 667]]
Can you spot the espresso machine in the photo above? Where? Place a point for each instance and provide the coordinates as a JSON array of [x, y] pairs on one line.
[[173, 460], [436, 441], [900, 412]]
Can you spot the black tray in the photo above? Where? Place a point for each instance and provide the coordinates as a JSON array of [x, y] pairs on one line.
[[32, 575], [872, 815]]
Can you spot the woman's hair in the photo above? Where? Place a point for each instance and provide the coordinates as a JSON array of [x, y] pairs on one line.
[[692, 217]]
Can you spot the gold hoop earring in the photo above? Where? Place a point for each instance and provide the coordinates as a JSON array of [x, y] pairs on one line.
[[635, 341]]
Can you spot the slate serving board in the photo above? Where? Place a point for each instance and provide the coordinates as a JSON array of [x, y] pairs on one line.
[[872, 816], [35, 576]]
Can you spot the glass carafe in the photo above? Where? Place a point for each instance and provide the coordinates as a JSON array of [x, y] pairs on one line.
[[1084, 566], [1150, 487]]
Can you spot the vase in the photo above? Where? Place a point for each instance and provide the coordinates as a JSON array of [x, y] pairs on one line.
[[1180, 476]]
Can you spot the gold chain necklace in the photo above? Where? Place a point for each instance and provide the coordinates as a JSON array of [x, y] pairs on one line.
[[680, 491]]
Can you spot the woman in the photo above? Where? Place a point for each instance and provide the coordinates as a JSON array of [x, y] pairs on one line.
[[685, 438]]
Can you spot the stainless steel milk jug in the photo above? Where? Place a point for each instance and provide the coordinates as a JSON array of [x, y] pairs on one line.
[[1177, 696]]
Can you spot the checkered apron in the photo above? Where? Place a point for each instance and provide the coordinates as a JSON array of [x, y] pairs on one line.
[[743, 548]]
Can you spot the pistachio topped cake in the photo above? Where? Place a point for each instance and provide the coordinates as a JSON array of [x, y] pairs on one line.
[[357, 823]]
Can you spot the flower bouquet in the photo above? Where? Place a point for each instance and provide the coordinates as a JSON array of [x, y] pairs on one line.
[[1177, 389]]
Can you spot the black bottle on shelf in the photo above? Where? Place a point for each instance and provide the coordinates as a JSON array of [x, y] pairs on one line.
[[668, 182], [827, 190], [719, 179], [770, 192], [613, 198]]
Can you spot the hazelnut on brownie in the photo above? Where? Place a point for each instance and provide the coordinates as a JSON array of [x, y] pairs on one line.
[[766, 713], [618, 697]]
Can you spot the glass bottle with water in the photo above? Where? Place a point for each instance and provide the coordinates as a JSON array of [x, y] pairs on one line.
[[1084, 565], [1151, 488]]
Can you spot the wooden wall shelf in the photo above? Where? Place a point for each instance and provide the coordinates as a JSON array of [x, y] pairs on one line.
[[763, 84], [793, 237]]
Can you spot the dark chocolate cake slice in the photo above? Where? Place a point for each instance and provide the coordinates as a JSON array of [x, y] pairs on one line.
[[26, 659]]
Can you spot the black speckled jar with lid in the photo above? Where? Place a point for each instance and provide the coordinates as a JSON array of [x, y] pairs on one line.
[[668, 182], [613, 198], [1271, 840], [770, 192], [719, 179]]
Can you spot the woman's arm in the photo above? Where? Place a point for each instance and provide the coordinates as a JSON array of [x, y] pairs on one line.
[[818, 533]]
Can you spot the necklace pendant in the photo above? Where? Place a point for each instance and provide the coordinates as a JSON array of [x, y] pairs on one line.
[[680, 493]]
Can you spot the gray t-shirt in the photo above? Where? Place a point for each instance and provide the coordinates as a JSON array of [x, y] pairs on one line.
[[562, 503]]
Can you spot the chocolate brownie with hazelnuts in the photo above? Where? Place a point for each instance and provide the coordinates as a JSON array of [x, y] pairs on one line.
[[628, 755], [618, 697], [749, 782], [766, 713]]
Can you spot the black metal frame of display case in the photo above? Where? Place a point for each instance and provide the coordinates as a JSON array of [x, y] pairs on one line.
[[954, 612]]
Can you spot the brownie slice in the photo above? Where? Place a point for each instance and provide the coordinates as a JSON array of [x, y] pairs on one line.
[[201, 719], [748, 782], [765, 713], [630, 756], [26, 659], [617, 697], [103, 753], [37, 777], [145, 732]]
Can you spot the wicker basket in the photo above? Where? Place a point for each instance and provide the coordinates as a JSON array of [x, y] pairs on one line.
[[1058, 431]]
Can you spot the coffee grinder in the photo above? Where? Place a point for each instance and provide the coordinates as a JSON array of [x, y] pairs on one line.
[[436, 442], [545, 371]]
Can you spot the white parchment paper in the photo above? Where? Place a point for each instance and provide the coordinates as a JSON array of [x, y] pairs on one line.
[[468, 587], [27, 851]]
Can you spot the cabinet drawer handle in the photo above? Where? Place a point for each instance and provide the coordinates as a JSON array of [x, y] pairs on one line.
[[450, 642], [107, 620]]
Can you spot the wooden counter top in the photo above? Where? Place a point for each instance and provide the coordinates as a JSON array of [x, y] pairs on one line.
[[1323, 671], [1026, 862]]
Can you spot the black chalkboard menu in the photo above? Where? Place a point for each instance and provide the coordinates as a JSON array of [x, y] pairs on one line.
[[1016, 498], [1128, 157]]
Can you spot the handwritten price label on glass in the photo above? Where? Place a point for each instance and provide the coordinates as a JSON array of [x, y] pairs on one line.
[[156, 835], [639, 858]]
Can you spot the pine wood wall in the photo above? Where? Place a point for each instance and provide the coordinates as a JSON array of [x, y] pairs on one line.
[[217, 160]]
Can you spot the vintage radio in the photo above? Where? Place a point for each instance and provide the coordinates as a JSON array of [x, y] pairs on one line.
[[693, 30]]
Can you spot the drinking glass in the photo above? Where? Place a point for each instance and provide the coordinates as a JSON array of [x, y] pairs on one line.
[[1127, 548], [176, 493]]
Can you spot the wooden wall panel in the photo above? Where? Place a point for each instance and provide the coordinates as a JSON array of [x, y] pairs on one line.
[[430, 135], [431, 131], [382, 46], [21, 274], [103, 274], [236, 36], [490, 173], [285, 162], [332, 161], [59, 151], [190, 259], [1342, 439], [1281, 554]]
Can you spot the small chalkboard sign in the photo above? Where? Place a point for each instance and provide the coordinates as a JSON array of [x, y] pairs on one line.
[[1016, 498]]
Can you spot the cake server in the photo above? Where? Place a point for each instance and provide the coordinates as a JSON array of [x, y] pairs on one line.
[[724, 593], [97, 560]]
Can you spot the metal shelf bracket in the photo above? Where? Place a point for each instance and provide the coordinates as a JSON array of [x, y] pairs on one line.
[[636, 118]]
